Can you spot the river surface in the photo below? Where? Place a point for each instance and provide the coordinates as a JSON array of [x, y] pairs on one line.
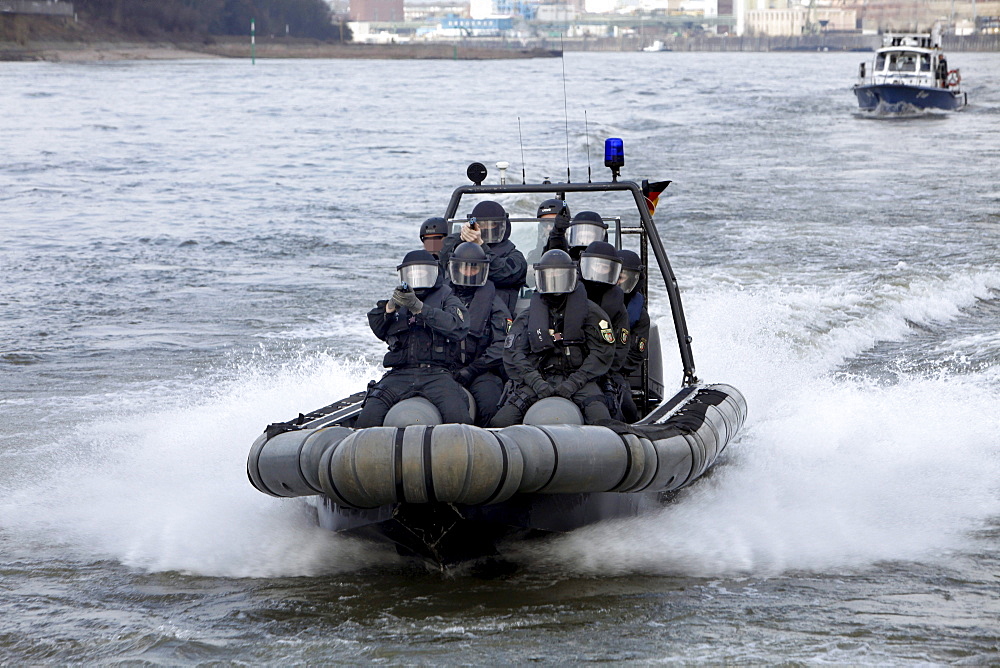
[[188, 250]]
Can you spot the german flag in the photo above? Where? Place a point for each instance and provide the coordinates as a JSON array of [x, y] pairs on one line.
[[652, 192]]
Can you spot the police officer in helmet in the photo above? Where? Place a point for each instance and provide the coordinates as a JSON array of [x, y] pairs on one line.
[[481, 354], [553, 213], [635, 305], [600, 268], [432, 234], [489, 227], [584, 228], [559, 346], [424, 325]]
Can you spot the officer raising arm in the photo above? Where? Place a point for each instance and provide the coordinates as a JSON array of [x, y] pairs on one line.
[[424, 325], [491, 231], [559, 346]]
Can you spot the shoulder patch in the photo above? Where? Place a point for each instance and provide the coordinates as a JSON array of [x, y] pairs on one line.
[[510, 323], [624, 335], [607, 334], [509, 341], [642, 345], [460, 316]]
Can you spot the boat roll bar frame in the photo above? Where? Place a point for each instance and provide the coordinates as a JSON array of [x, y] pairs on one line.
[[673, 293]]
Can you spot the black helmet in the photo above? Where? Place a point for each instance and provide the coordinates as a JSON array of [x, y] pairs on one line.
[[492, 221], [600, 263], [436, 225], [553, 207], [468, 265], [587, 226], [419, 270], [555, 273], [632, 269]]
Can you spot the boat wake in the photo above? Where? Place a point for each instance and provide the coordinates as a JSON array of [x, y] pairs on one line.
[[834, 469]]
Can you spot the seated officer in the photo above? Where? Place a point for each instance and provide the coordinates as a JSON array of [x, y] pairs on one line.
[[432, 234], [489, 227], [638, 318], [559, 346], [600, 267], [481, 355], [424, 325], [554, 213], [572, 237]]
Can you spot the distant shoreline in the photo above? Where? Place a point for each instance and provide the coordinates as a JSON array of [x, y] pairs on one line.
[[58, 51]]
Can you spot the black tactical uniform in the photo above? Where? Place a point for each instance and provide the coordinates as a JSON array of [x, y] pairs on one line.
[[481, 353], [424, 348], [559, 346], [508, 267], [635, 305]]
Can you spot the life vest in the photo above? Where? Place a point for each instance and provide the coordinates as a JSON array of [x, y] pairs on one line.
[[560, 347]]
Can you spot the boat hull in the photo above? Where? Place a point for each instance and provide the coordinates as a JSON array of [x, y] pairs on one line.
[[450, 493], [898, 97], [445, 534]]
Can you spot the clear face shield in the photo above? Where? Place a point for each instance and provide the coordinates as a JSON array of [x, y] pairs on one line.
[[468, 273], [628, 279], [419, 276], [492, 229], [555, 280], [600, 269], [584, 233]]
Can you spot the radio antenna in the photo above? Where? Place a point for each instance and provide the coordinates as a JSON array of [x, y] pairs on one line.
[[521, 140], [562, 52], [586, 129]]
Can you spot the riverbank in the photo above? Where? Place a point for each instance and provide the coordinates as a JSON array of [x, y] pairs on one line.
[[101, 51]]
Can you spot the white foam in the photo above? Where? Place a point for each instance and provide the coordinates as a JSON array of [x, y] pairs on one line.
[[162, 485]]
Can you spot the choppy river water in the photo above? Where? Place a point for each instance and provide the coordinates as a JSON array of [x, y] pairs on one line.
[[188, 250]]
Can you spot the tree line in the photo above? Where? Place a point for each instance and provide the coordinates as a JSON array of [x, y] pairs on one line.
[[304, 18]]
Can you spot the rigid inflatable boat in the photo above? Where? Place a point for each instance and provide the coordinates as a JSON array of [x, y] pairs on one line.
[[449, 493]]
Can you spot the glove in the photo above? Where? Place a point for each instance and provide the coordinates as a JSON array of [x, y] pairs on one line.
[[542, 388], [562, 223], [408, 299], [462, 376], [566, 389]]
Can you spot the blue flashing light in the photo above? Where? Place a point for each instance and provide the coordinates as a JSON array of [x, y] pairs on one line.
[[614, 153]]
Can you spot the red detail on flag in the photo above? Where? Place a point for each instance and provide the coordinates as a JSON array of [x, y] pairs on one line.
[[652, 192]]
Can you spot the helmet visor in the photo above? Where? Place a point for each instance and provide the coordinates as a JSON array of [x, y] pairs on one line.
[[469, 273], [492, 229], [419, 276], [628, 279], [555, 280], [600, 269], [584, 233]]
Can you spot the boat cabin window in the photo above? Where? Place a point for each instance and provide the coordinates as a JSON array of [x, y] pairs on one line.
[[903, 62], [925, 62], [879, 63]]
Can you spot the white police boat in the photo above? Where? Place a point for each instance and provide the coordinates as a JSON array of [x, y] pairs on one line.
[[909, 73], [449, 493]]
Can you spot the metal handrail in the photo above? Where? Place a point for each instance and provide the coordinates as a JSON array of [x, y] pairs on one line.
[[666, 271]]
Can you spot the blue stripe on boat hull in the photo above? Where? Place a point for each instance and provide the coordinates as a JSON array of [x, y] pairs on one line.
[[897, 95]]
